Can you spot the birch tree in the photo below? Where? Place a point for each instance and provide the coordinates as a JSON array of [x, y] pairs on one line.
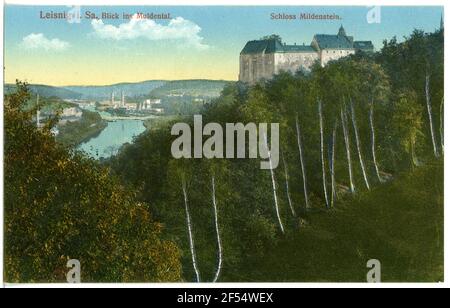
[[358, 144], [347, 146], [288, 193], [322, 159], [216, 221], [302, 162], [274, 184], [372, 130], [332, 164], [430, 113], [189, 226]]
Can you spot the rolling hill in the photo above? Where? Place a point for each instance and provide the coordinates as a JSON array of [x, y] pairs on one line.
[[156, 88], [47, 91], [104, 92]]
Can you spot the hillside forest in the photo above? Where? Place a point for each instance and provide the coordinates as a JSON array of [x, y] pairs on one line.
[[360, 178]]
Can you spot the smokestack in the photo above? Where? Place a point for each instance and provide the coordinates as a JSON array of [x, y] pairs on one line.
[[38, 113]]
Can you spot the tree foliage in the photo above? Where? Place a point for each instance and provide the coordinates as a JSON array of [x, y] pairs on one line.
[[388, 83], [60, 205]]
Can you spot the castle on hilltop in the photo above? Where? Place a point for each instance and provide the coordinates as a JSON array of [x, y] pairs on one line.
[[264, 58]]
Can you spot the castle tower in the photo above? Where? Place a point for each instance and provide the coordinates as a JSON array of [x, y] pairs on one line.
[[123, 100], [342, 31]]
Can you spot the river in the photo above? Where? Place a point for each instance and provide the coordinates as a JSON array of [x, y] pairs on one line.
[[116, 134]]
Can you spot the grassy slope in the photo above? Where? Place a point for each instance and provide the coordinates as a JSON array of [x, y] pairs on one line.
[[399, 223]]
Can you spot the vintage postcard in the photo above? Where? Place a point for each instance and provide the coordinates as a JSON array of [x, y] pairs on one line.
[[202, 144]]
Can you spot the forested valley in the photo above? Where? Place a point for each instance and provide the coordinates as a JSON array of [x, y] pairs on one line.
[[360, 177]]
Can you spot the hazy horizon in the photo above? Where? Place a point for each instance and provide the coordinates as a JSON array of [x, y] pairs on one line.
[[116, 83]]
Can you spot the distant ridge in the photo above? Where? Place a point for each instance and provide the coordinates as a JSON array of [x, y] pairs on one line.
[[47, 91], [192, 87], [129, 89]]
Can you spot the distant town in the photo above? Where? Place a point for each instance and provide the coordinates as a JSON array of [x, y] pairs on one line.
[[122, 107]]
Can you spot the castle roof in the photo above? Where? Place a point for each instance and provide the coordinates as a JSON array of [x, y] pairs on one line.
[[320, 42], [259, 46], [326, 41], [298, 48], [273, 46], [364, 45]]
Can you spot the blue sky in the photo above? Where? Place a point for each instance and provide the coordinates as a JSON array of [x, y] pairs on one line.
[[204, 43]]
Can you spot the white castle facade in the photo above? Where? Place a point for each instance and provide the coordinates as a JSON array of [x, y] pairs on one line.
[[261, 59]]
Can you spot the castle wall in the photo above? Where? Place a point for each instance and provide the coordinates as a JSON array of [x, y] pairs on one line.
[[292, 62], [328, 55], [254, 67]]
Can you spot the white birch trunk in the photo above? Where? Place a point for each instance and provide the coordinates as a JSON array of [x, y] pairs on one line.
[[332, 165], [219, 242], [324, 180], [286, 177], [358, 145], [372, 129], [347, 147], [302, 163], [274, 184], [430, 114], [191, 237]]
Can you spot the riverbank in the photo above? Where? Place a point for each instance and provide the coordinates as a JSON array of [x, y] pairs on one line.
[[115, 118], [109, 141], [89, 126]]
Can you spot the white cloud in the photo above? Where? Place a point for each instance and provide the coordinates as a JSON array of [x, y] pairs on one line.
[[179, 29], [39, 41]]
